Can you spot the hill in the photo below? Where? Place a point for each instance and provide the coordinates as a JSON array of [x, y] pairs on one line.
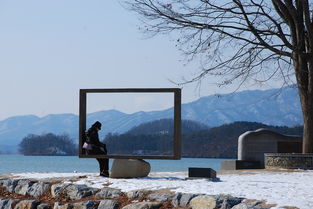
[[166, 126]]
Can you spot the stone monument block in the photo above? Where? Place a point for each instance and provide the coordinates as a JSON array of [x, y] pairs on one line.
[[129, 168], [208, 173], [253, 144]]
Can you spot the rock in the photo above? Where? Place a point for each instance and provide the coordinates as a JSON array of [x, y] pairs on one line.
[[23, 185], [38, 188], [241, 206], [2, 180], [176, 199], [182, 199], [108, 204], [5, 182], [44, 206], [203, 202], [76, 192], [58, 205], [186, 198], [135, 194], [7, 203], [9, 184], [27, 204], [84, 205], [227, 201], [107, 192], [56, 189], [129, 168], [143, 205], [161, 197], [73, 191], [79, 205], [248, 205]]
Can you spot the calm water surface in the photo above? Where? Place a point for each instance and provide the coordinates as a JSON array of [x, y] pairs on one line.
[[20, 163]]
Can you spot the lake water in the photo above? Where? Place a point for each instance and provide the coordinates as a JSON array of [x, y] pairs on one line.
[[20, 163]]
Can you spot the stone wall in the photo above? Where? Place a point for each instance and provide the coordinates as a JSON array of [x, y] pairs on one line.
[[30, 194], [289, 161]]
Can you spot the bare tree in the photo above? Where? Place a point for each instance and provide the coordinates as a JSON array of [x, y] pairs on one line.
[[242, 39]]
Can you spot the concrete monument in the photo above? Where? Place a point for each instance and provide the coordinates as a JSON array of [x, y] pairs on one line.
[[253, 144]]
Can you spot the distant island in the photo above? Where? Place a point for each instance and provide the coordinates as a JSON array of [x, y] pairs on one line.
[[47, 144]]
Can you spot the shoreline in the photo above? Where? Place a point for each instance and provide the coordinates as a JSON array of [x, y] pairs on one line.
[[273, 187]]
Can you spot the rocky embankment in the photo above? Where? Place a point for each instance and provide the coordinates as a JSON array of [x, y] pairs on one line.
[[58, 194]]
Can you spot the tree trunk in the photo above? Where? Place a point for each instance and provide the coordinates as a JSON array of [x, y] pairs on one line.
[[304, 74], [306, 98], [307, 128]]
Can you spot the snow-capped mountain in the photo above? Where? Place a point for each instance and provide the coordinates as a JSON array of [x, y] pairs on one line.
[[271, 107]]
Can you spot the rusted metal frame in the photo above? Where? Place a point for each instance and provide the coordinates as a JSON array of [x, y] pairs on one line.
[[82, 118], [177, 121], [177, 124]]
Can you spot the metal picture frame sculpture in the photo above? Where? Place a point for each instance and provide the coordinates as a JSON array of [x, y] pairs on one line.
[[176, 152]]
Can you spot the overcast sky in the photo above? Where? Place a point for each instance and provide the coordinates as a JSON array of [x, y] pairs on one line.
[[51, 49]]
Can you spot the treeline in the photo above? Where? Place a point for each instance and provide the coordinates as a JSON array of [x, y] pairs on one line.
[[47, 144], [218, 142]]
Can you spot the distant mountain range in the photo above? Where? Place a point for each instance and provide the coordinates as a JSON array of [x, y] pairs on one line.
[[273, 107]]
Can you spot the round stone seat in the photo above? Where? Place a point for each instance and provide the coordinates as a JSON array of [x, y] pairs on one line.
[[129, 168]]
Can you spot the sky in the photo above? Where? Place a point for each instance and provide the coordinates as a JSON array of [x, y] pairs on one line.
[[51, 49]]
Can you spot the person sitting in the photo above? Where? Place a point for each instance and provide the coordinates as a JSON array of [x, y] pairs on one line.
[[97, 148]]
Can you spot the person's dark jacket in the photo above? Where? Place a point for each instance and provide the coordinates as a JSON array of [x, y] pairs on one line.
[[93, 139]]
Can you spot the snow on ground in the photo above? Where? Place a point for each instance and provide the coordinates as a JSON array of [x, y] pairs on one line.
[[283, 188]]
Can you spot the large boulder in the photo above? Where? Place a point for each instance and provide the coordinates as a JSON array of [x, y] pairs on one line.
[[129, 168]]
